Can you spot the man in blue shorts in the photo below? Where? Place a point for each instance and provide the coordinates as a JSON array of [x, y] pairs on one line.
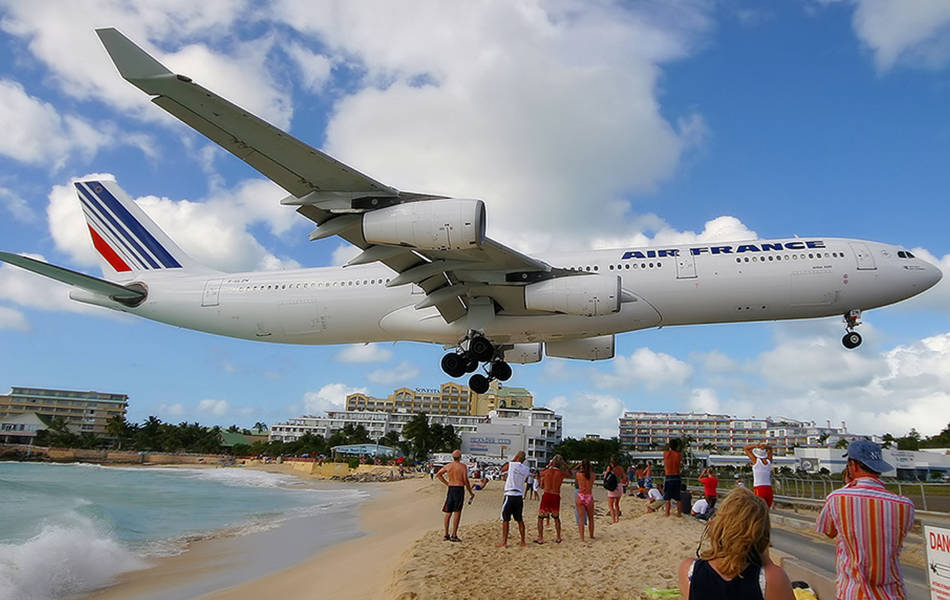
[[514, 496]]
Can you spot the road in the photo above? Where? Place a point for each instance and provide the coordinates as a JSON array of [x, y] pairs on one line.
[[822, 555]]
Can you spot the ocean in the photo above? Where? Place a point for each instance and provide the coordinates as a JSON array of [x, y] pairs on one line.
[[66, 529]]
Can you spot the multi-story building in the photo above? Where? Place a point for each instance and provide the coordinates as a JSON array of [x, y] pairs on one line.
[[376, 423], [449, 399], [499, 396], [83, 412], [499, 434], [535, 430], [720, 433]]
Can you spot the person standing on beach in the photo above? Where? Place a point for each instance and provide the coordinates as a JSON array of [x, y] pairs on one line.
[[585, 498], [760, 455], [869, 524], [710, 482], [455, 497], [672, 463], [616, 492], [551, 479], [513, 506]]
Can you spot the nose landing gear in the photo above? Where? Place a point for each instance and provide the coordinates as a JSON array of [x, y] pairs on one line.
[[852, 339], [471, 351]]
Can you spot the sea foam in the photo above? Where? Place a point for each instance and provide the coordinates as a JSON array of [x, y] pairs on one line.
[[65, 558]]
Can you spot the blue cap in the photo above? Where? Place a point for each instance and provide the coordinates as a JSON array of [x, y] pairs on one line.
[[867, 453]]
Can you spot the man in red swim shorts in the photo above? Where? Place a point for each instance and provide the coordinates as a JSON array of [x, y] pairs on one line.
[[551, 479]]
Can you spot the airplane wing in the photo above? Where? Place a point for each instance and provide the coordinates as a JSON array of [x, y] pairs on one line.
[[332, 194], [120, 293]]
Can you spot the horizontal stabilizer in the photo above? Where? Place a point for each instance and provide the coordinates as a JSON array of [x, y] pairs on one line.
[[119, 293]]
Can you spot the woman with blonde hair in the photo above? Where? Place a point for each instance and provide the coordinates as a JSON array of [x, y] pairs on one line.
[[735, 563]]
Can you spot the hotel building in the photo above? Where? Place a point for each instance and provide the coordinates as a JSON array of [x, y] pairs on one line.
[[449, 399], [83, 412], [720, 433]]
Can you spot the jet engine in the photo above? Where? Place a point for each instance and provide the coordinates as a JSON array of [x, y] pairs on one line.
[[447, 224], [585, 295], [523, 354], [592, 348]]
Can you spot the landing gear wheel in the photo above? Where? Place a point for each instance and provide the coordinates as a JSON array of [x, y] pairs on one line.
[[478, 383], [481, 349], [470, 365], [454, 364], [500, 370], [852, 339]]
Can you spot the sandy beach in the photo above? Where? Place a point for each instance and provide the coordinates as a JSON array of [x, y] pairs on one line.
[[401, 554]]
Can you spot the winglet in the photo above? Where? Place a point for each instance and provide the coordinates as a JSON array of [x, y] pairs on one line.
[[134, 64]]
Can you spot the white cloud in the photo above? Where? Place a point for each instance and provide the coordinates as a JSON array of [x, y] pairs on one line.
[[588, 413], [62, 36], [704, 400], [332, 396], [314, 69], [214, 232], [217, 408], [16, 205], [912, 33], [172, 410], [13, 319], [34, 132], [402, 374], [364, 353], [645, 367], [579, 125]]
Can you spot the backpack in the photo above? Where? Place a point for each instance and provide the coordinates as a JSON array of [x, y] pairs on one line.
[[610, 481]]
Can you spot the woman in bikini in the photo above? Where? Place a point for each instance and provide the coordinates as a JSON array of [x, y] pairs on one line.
[[585, 498], [736, 563]]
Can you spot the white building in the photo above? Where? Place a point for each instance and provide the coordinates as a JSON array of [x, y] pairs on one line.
[[641, 431], [908, 464], [377, 424], [500, 434], [536, 431]]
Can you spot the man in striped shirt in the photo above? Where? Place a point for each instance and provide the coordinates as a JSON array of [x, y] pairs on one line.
[[870, 524]]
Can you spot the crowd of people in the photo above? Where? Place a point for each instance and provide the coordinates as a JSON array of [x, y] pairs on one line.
[[868, 522]]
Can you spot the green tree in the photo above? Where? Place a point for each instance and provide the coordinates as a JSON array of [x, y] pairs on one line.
[[118, 428], [259, 428], [416, 433], [391, 439], [911, 441]]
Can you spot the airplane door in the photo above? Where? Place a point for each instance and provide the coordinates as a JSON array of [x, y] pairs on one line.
[[685, 266], [212, 293], [863, 256]]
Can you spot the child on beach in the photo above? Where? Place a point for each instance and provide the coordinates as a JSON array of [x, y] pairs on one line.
[[736, 564], [585, 497]]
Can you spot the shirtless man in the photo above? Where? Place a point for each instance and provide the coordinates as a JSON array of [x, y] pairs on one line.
[[551, 479], [672, 461], [455, 498]]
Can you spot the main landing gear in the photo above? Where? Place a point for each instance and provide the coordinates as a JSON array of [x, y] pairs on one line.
[[475, 349], [852, 339]]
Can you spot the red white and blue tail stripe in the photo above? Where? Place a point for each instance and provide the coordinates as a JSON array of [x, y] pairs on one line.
[[123, 235]]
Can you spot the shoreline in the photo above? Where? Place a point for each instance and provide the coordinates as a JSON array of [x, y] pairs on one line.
[[211, 559]]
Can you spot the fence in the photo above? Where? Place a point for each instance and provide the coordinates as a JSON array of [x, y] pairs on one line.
[[926, 496]]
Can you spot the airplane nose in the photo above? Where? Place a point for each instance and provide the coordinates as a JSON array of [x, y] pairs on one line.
[[931, 275]]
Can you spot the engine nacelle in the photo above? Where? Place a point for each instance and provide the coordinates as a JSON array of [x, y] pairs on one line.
[[593, 348], [586, 295], [449, 224], [523, 354]]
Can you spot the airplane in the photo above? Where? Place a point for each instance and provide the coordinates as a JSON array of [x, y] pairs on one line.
[[427, 272]]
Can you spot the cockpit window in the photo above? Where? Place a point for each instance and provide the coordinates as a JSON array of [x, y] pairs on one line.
[[909, 255], [901, 254]]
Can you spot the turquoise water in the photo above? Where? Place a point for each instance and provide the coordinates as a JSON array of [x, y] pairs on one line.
[[66, 529]]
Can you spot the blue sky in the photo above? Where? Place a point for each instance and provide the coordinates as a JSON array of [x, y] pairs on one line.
[[580, 124]]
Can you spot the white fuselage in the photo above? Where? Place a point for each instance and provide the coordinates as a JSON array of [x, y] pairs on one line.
[[673, 285]]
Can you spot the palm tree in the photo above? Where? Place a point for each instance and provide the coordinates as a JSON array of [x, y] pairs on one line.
[[117, 428], [260, 427]]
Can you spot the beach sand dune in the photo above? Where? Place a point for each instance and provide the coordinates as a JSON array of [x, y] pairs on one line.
[[640, 552]]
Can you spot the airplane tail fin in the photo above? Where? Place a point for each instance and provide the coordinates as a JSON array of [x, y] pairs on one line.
[[127, 240]]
